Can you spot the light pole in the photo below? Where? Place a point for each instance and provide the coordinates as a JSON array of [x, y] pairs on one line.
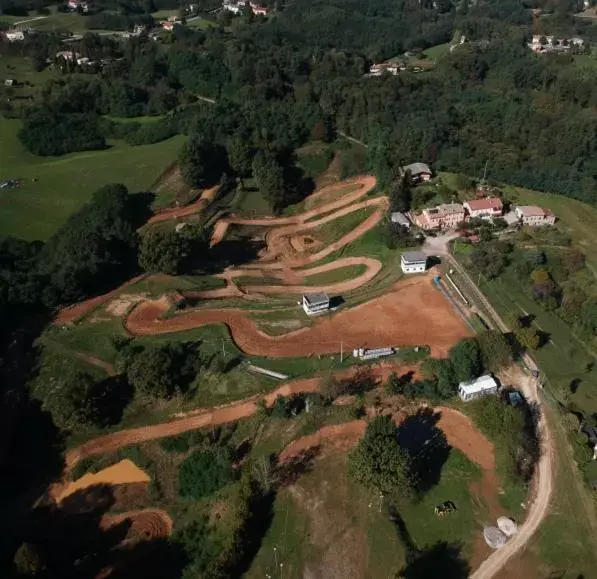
[[276, 555]]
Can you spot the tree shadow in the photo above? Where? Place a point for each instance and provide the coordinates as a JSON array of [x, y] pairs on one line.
[[403, 534], [574, 385], [109, 398], [427, 446], [440, 560], [140, 207], [232, 252], [291, 470]]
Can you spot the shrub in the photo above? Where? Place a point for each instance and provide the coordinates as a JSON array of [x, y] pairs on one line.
[[203, 473], [175, 444]]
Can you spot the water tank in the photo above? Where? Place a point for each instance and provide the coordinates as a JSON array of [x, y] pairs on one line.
[[494, 537], [507, 526]]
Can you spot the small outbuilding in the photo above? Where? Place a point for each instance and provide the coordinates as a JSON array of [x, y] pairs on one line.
[[400, 219], [315, 304], [418, 172], [413, 262], [482, 386]]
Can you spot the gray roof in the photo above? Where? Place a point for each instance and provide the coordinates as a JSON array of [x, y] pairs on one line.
[[417, 168], [316, 299], [398, 217], [413, 257]]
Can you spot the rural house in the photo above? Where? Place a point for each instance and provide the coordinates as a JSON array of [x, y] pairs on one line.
[[482, 386], [383, 67], [446, 216], [484, 208], [534, 216], [315, 304], [413, 262], [418, 172]]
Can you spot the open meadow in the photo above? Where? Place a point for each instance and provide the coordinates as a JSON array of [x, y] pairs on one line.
[[55, 187]]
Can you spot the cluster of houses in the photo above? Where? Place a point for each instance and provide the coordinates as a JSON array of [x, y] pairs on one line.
[[451, 215], [74, 57], [16, 34], [551, 44], [82, 5], [237, 7]]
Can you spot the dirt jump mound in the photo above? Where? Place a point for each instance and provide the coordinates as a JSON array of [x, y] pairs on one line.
[[145, 525]]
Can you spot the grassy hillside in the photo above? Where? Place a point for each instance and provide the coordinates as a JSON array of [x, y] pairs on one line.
[[55, 187]]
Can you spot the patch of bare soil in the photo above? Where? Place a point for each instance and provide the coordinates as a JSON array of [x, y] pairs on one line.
[[121, 305], [121, 473]]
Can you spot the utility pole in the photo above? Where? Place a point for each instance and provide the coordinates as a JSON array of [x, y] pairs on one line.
[[223, 349], [341, 351], [485, 172]]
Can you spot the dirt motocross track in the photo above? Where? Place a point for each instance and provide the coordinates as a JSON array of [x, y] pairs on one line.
[[413, 312]]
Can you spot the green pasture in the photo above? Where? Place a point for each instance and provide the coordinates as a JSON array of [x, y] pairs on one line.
[[55, 187]]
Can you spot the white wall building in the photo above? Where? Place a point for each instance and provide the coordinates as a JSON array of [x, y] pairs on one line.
[[15, 35], [400, 219], [484, 208], [413, 262], [315, 304], [482, 386], [535, 216]]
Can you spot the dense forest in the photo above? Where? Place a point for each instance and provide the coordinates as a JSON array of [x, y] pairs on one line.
[[490, 99]]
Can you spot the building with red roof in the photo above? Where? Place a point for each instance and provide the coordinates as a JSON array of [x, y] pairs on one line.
[[484, 208]]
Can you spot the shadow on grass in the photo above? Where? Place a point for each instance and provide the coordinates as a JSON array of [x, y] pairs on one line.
[[427, 445]]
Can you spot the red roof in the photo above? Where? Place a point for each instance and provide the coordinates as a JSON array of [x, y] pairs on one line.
[[494, 203]]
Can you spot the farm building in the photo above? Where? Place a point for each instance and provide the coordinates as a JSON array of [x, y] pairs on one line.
[[400, 219], [413, 262], [418, 172], [315, 304], [478, 388], [535, 216], [484, 208]]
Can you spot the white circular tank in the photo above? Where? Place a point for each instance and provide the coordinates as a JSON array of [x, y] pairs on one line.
[[507, 526], [494, 537]]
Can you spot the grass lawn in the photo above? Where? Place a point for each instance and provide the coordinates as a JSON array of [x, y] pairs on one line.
[[249, 202], [314, 158], [334, 230], [325, 521], [67, 21], [336, 275], [21, 69], [437, 52], [63, 184], [164, 14], [200, 22]]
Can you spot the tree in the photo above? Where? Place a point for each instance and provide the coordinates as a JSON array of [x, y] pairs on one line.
[[28, 560], [240, 155], [152, 373], [203, 473], [400, 195], [528, 338], [201, 162], [269, 177], [496, 352], [67, 396], [380, 464], [162, 251], [466, 360]]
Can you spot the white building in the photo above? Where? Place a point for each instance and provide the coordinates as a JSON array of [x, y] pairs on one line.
[[535, 216], [413, 262], [15, 35], [384, 67], [315, 304], [478, 388], [418, 172]]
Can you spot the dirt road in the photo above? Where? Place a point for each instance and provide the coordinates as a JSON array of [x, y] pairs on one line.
[[544, 477], [214, 416], [543, 487]]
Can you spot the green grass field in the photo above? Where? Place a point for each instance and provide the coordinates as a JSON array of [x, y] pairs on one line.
[[201, 23], [55, 21], [336, 275], [63, 184], [327, 522], [437, 52], [21, 70]]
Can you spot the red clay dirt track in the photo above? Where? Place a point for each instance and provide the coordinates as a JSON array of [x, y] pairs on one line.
[[413, 312]]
